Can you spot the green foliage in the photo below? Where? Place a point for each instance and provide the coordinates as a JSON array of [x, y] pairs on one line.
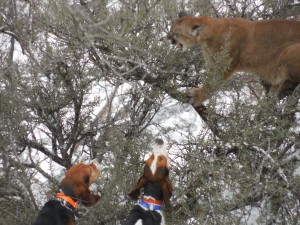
[[98, 79]]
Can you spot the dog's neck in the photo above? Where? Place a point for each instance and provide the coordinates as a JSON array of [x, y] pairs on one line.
[[68, 189], [153, 190], [67, 196]]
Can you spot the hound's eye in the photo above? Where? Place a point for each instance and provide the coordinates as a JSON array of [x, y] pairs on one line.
[[86, 179]]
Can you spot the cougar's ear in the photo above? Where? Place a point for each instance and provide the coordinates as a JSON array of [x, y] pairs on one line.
[[196, 30], [182, 14]]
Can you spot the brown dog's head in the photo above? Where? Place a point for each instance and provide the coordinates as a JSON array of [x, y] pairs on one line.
[[185, 31], [159, 160], [77, 181]]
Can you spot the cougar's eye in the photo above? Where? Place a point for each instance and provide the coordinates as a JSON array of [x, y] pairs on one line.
[[175, 35], [196, 30]]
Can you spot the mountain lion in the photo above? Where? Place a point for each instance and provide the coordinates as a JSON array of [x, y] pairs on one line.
[[270, 49]]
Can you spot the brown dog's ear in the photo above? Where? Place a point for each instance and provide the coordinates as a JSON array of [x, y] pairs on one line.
[[182, 14], [167, 190], [135, 192]]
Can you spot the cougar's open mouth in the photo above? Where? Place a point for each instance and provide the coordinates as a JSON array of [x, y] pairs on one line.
[[179, 45]]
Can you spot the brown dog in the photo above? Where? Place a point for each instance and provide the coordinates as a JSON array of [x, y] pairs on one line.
[[74, 190], [270, 49], [156, 170], [157, 189]]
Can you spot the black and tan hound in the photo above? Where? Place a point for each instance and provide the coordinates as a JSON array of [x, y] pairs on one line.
[[74, 189], [157, 190]]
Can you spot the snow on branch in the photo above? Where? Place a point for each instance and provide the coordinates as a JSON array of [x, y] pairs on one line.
[[294, 2], [268, 156]]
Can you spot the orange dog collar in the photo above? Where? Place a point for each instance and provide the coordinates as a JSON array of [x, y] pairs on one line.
[[67, 199], [152, 201]]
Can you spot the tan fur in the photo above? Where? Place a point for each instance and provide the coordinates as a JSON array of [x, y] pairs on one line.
[[74, 189], [270, 49]]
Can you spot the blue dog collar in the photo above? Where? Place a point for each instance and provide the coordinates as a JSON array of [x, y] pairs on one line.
[[150, 206]]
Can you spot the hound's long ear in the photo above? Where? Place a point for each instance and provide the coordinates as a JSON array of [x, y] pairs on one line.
[[182, 14], [135, 192], [167, 190]]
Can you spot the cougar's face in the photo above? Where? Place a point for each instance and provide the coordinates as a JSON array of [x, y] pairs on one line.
[[184, 33]]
